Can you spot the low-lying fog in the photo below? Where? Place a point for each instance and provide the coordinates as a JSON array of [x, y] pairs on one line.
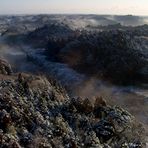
[[16, 57], [133, 99]]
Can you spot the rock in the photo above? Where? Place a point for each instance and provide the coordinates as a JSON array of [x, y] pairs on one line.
[[83, 105], [99, 101], [5, 68]]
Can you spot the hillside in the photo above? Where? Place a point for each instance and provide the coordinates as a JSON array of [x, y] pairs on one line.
[[37, 112], [118, 54], [74, 81]]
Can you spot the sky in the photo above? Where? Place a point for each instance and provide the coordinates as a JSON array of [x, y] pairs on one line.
[[134, 7]]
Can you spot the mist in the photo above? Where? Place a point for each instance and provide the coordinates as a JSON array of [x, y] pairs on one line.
[[26, 58]]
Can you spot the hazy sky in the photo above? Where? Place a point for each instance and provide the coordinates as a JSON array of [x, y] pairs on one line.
[[137, 7]]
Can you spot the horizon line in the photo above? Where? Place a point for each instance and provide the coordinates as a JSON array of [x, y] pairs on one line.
[[27, 14]]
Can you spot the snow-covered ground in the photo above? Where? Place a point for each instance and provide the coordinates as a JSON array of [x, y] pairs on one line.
[[26, 59]]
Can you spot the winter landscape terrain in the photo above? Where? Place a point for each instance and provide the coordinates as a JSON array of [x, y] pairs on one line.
[[69, 81]]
